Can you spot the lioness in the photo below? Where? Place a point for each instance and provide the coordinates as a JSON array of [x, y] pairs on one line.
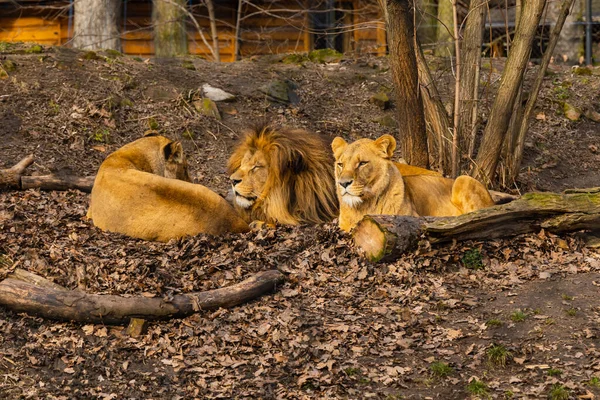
[[283, 176], [143, 190], [368, 182]]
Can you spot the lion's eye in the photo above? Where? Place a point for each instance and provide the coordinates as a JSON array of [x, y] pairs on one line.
[[340, 165], [256, 167], [362, 163]]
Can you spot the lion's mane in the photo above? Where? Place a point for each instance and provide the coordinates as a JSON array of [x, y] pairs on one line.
[[300, 187]]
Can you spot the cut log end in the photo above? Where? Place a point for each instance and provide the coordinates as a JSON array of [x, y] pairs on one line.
[[386, 237], [371, 239]]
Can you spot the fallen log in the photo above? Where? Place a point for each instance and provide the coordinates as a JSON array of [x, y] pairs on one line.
[[56, 182], [39, 297], [386, 237], [13, 178]]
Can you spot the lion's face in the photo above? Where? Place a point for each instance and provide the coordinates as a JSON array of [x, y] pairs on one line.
[[361, 168], [249, 180]]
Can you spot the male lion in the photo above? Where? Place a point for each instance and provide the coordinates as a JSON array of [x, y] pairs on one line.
[[143, 190], [368, 182], [283, 176]]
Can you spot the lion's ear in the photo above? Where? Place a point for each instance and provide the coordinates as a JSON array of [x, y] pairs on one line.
[[174, 152], [387, 144], [338, 145]]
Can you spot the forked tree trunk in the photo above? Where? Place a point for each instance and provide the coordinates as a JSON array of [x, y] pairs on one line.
[[469, 76], [514, 69], [386, 237], [445, 41], [516, 153], [409, 105], [213, 29], [96, 24], [168, 20], [440, 134]]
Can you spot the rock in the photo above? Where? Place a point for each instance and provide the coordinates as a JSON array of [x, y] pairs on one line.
[[188, 65], [381, 100], [386, 120], [571, 112], [207, 107], [323, 56], [295, 58], [592, 115], [216, 94], [9, 66], [280, 91], [160, 93], [584, 71]]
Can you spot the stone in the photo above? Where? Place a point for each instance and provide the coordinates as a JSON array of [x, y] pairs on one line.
[[207, 107], [387, 121], [280, 91], [216, 94], [381, 100], [323, 56], [592, 115], [571, 112]]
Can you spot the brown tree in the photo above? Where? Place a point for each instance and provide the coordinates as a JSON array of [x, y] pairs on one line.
[[403, 63], [168, 19], [512, 76], [96, 24]]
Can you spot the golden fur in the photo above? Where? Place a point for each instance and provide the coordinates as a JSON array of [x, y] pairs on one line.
[[283, 176], [368, 182], [143, 190]]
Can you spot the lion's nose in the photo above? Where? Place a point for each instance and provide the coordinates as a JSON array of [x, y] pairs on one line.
[[235, 181], [345, 183]]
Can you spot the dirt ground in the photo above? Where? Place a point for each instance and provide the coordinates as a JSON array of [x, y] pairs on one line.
[[516, 318]]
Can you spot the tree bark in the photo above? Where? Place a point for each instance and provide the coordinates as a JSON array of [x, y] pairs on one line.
[[440, 137], [384, 238], [96, 24], [516, 152], [50, 302], [445, 41], [213, 29], [401, 39], [469, 76], [168, 19], [495, 131]]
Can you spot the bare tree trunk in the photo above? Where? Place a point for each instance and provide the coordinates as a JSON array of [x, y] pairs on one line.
[[445, 41], [426, 22], [435, 116], [516, 153], [96, 24], [400, 29], [495, 131], [213, 29], [168, 19], [238, 22], [469, 76]]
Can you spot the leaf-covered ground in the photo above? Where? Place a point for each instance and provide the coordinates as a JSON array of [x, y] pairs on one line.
[[514, 318]]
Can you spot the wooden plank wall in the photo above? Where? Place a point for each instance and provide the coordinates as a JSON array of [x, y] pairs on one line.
[[260, 33]]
